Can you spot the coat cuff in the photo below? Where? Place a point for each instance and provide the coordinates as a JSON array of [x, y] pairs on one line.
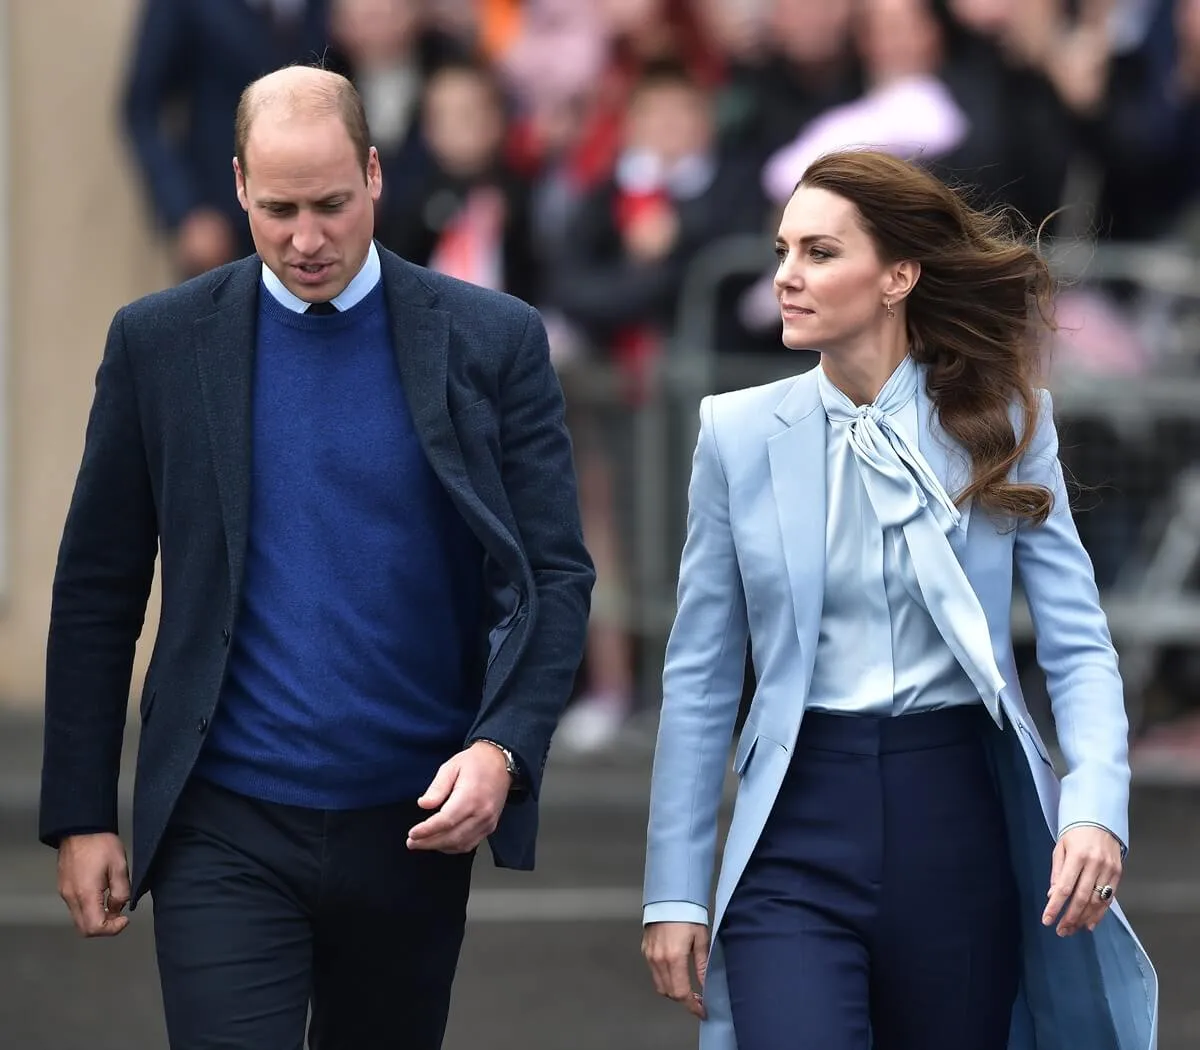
[[675, 911], [1094, 824]]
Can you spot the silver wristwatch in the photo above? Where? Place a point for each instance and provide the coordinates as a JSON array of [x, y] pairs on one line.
[[510, 760]]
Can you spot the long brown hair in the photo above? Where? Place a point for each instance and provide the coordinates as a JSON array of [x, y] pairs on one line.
[[975, 315]]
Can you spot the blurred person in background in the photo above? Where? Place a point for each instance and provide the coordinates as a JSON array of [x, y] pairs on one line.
[[636, 34], [1000, 51], [904, 868], [625, 258], [468, 216], [389, 48], [804, 64], [375, 594], [190, 62], [550, 68], [906, 108], [1185, 92]]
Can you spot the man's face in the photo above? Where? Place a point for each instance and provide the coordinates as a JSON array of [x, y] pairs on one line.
[[311, 208]]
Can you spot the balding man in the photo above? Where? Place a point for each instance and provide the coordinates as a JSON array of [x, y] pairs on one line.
[[375, 594]]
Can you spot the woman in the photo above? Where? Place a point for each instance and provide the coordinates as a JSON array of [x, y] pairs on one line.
[[903, 869]]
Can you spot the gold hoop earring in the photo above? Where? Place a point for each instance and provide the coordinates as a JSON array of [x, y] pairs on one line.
[[887, 305]]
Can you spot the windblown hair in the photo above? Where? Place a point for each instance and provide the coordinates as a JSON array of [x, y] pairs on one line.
[[975, 316]]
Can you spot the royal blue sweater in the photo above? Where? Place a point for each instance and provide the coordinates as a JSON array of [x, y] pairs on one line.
[[350, 671]]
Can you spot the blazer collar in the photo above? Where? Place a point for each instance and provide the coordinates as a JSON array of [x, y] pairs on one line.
[[236, 286]]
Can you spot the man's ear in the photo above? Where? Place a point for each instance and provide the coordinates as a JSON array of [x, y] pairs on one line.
[[239, 180]]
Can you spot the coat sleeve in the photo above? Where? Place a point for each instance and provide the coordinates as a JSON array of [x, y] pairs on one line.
[[98, 605], [539, 481], [702, 687], [1074, 648], [157, 74]]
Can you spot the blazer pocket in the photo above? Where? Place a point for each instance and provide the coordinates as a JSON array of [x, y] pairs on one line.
[[1035, 740], [468, 413], [745, 748]]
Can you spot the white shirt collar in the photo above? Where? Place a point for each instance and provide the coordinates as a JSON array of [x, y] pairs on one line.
[[355, 292]]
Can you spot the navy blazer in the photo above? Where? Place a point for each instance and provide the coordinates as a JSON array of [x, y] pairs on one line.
[[201, 54], [166, 469]]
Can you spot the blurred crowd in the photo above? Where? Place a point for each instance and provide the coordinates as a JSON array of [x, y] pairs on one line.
[[581, 153]]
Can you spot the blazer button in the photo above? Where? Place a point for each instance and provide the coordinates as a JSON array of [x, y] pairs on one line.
[[202, 725]]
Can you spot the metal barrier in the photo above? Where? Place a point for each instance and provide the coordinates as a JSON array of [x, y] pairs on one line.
[[1149, 607]]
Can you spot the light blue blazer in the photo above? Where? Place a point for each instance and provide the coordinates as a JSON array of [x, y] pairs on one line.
[[753, 566]]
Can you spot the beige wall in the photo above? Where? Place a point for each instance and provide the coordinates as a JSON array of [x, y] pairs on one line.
[[79, 248]]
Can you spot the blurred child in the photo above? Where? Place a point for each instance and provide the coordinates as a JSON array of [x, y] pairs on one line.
[[389, 50], [468, 215], [624, 262]]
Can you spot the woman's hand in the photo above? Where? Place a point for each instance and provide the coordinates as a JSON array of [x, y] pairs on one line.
[[671, 948], [1085, 859]]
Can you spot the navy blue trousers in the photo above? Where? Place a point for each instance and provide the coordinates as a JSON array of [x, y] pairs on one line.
[[262, 910], [879, 907]]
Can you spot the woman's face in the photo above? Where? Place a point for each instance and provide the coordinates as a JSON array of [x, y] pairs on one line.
[[831, 283]]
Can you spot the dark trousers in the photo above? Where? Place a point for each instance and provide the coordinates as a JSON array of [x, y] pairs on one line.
[[879, 907], [262, 910]]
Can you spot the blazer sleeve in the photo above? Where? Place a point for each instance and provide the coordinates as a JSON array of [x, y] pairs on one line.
[[539, 482], [1074, 648], [702, 687], [98, 605]]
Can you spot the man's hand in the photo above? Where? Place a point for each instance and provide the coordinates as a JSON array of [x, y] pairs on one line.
[[468, 793], [672, 949], [93, 878], [204, 240], [1085, 858]]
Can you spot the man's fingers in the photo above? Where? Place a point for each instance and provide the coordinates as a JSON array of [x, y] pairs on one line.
[[112, 925], [91, 910], [119, 889], [445, 824], [440, 787], [438, 824], [73, 906], [454, 842]]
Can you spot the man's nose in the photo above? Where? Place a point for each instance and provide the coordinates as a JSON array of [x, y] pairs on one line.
[[308, 237]]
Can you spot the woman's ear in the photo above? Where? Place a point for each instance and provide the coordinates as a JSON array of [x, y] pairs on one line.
[[901, 278]]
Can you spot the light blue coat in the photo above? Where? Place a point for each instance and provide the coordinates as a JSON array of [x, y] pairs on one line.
[[753, 566]]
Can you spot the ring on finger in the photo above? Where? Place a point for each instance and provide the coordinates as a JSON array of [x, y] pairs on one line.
[[1104, 891]]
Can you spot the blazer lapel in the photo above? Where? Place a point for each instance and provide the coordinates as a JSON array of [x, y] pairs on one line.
[[421, 339], [946, 457], [797, 459], [224, 352]]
